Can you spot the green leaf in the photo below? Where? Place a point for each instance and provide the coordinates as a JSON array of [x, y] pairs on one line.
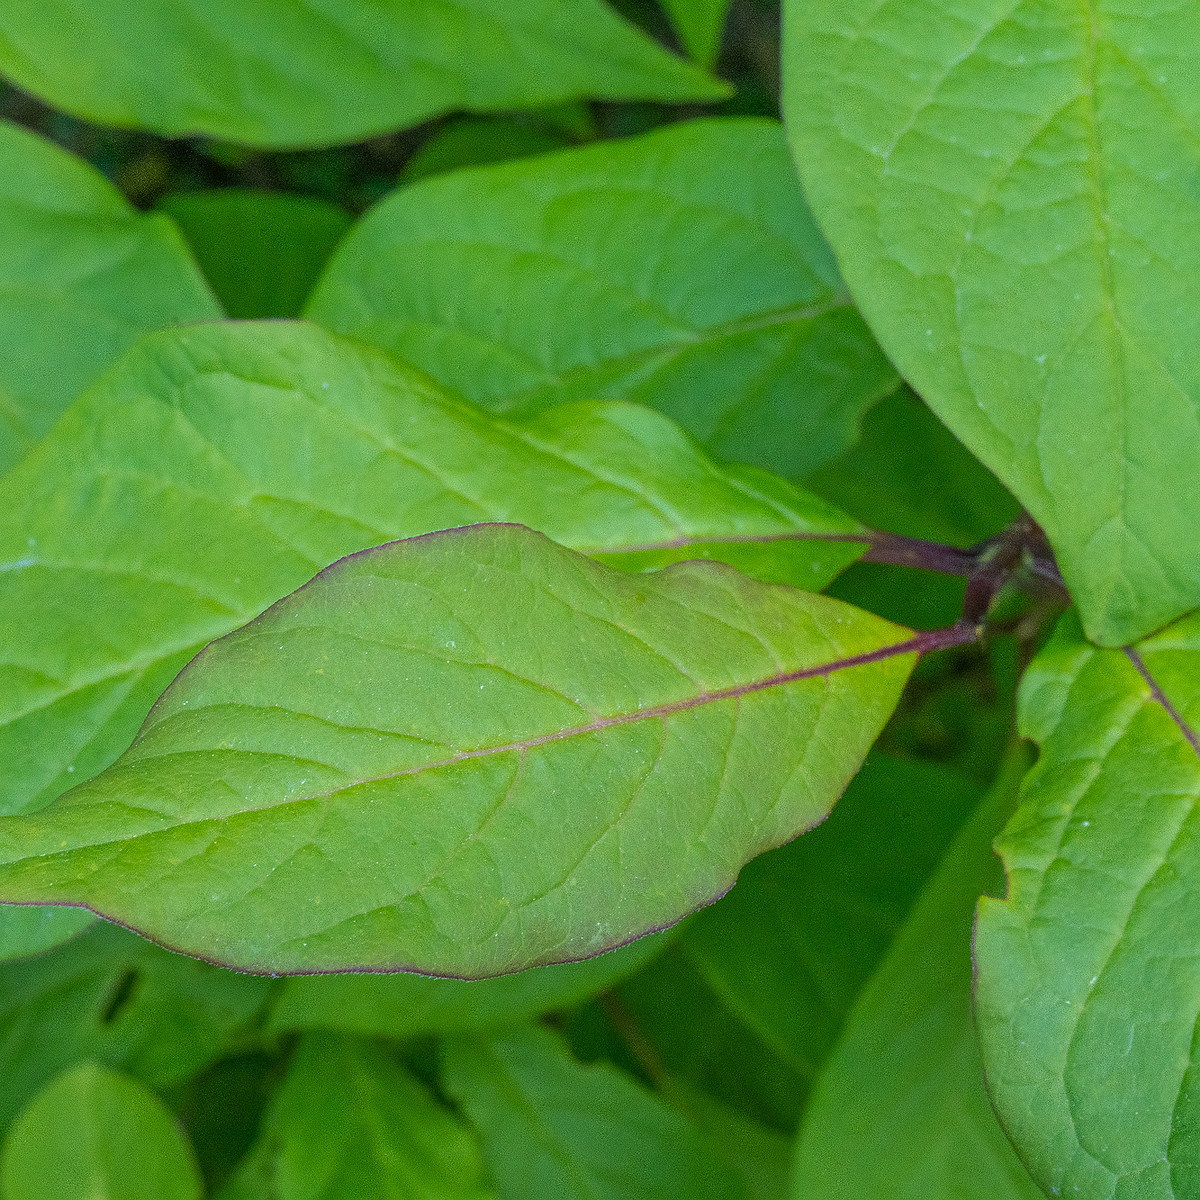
[[757, 1155], [350, 1121], [700, 24], [111, 996], [405, 1006], [561, 1131], [269, 74], [649, 269], [476, 141], [352, 780], [908, 474], [28, 929], [1089, 974], [180, 498], [1010, 192], [261, 251], [82, 276], [788, 949], [95, 1135], [900, 1109]]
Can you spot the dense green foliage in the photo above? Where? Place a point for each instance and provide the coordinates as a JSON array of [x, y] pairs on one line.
[[426, 429]]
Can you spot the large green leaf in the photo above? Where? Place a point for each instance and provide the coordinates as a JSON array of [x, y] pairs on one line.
[[350, 1122], [95, 1135], [792, 943], [405, 1006], [353, 779], [680, 269], [261, 251], [276, 73], [1089, 973], [1011, 192], [219, 467], [900, 1111], [115, 997], [561, 1131], [82, 276], [29, 928]]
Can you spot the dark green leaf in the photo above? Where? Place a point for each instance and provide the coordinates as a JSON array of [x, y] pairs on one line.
[[1089, 973], [325, 71], [788, 949], [700, 24], [95, 1135], [221, 466], [353, 779], [111, 996], [403, 1006], [477, 141], [82, 276], [349, 1121], [561, 1131], [900, 1109], [680, 269], [1011, 192], [261, 251]]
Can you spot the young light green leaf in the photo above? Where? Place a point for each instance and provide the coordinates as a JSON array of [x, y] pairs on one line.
[[219, 467], [261, 251], [82, 276], [680, 269], [900, 1110], [788, 949], [112, 996], [700, 24], [288, 75], [1089, 973], [95, 1135], [1010, 192], [405, 1006], [561, 1131], [350, 1121], [353, 780]]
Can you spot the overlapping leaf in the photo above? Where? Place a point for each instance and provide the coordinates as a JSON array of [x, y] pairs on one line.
[[1011, 192], [405, 1006], [93, 1134], [558, 1130], [680, 269], [350, 1121], [700, 24], [82, 276], [1089, 973], [221, 467], [900, 1110], [261, 251], [357, 778], [283, 74]]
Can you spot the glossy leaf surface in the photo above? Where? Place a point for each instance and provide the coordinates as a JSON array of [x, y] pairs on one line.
[[404, 1006], [95, 1135], [268, 73], [354, 779], [220, 467], [1010, 190], [1089, 973], [650, 270], [561, 1131], [900, 1111], [114, 997], [261, 251], [351, 1121], [82, 276], [792, 943]]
